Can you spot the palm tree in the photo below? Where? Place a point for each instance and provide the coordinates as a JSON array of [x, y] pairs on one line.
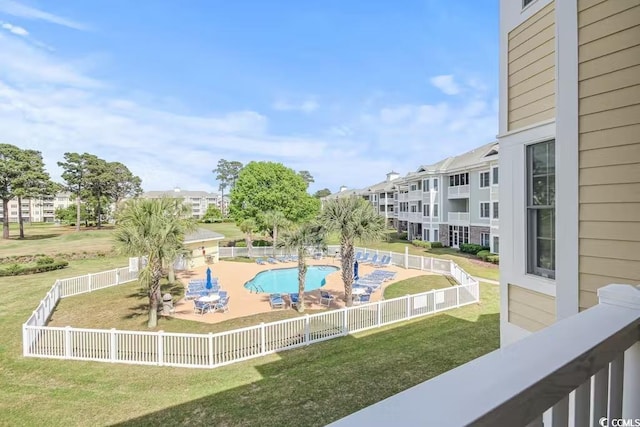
[[273, 221], [248, 227], [155, 229], [354, 219], [298, 239]]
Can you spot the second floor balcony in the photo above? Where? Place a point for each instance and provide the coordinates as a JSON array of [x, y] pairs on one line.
[[458, 218], [458, 192], [415, 216]]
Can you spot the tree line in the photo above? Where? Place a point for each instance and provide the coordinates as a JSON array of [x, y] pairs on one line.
[[93, 182]]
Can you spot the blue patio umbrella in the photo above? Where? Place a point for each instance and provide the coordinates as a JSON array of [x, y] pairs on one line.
[[355, 271], [209, 282]]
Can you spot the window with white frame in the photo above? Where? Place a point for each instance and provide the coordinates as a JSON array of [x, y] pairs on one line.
[[436, 236], [435, 210], [484, 179], [425, 186], [484, 239], [426, 210], [495, 210], [494, 178], [541, 214], [426, 235], [435, 184], [496, 245], [484, 210]]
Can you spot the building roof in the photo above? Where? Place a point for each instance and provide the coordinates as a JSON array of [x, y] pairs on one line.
[[475, 157], [178, 193], [202, 234]]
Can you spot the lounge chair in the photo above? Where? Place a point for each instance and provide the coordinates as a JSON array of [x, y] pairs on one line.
[[272, 261], [362, 299], [295, 299], [358, 256], [223, 294], [326, 298], [276, 301], [365, 258], [382, 262], [222, 305], [201, 307], [260, 261], [373, 260]]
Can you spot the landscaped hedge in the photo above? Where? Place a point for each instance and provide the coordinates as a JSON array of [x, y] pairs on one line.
[[493, 258], [421, 244], [472, 248], [483, 254], [18, 270], [435, 245]]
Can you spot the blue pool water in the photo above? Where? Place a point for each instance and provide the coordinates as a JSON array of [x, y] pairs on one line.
[[285, 280]]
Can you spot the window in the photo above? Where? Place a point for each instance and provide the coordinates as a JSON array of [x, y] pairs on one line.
[[458, 179], [414, 187], [495, 210], [484, 239], [484, 179], [484, 210], [435, 184], [425, 186], [426, 235], [435, 210], [496, 245], [526, 3], [427, 208], [435, 235], [541, 214], [495, 176]]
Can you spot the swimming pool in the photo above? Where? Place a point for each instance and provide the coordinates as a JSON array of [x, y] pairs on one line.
[[285, 280]]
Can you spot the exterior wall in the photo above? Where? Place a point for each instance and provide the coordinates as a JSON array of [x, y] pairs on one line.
[[444, 234], [530, 310], [609, 145], [474, 234], [531, 70], [477, 195], [38, 209]]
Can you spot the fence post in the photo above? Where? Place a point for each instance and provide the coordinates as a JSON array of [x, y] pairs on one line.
[[210, 342], [306, 329], [25, 340], [160, 348], [345, 325], [379, 314], [406, 257], [89, 282], [408, 306], [117, 276], [458, 296], [421, 263], [67, 342], [232, 248], [431, 264], [263, 339], [112, 345]]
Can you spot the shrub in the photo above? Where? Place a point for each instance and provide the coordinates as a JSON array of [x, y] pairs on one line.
[[43, 260], [493, 258], [437, 245], [472, 248], [241, 244], [261, 243], [17, 270], [402, 235], [483, 254], [421, 244]]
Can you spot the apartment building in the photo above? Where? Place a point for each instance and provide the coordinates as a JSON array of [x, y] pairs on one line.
[[198, 201], [39, 209], [570, 157], [453, 201]]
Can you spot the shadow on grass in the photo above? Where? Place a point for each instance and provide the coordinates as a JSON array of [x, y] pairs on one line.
[[175, 289], [35, 237], [323, 382]]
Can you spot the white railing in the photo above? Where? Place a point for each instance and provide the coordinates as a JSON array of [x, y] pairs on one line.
[[458, 218], [458, 191], [415, 217], [212, 350], [591, 359], [403, 216], [403, 197], [415, 195]]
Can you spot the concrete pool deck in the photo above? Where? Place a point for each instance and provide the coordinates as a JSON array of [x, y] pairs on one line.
[[233, 275]]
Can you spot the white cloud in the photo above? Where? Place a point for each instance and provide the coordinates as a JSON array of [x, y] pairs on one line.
[[11, 7], [19, 31], [306, 106], [446, 84]]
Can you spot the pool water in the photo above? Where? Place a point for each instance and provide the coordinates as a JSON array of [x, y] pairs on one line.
[[285, 280]]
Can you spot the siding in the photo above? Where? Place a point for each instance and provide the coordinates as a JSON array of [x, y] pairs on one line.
[[531, 70], [530, 310], [609, 126]]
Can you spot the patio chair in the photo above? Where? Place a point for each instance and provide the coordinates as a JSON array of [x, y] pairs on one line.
[[201, 307], [365, 258], [276, 301], [295, 299], [373, 260], [260, 261], [358, 256], [222, 305], [362, 298], [383, 262], [223, 294], [272, 261], [326, 298]]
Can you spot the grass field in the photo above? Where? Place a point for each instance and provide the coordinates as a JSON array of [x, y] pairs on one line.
[[309, 386]]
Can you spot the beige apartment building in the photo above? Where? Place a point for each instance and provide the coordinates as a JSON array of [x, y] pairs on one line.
[[197, 201], [39, 209], [569, 158]]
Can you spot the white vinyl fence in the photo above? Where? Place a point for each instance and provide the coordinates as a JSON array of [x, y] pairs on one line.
[[212, 350]]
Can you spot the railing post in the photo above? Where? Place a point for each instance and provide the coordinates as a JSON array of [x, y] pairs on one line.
[[89, 282], [232, 248], [406, 257], [263, 339], [112, 345], [117, 276], [160, 348], [408, 306], [67, 342], [210, 346], [306, 329], [458, 296], [431, 264], [628, 297], [379, 313], [25, 340], [345, 324], [421, 263]]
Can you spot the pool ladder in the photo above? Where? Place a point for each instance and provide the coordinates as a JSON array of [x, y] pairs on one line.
[[257, 288]]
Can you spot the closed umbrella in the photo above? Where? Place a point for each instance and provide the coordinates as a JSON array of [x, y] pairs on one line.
[[209, 282], [355, 271]]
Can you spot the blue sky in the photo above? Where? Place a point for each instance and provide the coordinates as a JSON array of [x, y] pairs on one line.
[[348, 90]]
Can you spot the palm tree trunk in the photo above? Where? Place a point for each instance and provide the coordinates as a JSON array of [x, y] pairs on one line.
[[155, 296], [347, 270], [302, 273], [20, 220]]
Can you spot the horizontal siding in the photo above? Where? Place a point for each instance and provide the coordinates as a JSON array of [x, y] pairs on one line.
[[609, 158], [531, 70], [530, 310]]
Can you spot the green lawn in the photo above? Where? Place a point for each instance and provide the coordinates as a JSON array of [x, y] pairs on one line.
[[228, 229], [309, 386], [417, 285]]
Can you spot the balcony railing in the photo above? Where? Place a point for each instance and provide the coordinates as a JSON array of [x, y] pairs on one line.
[[415, 195], [415, 216], [459, 191], [403, 197], [403, 216], [455, 218], [593, 356]]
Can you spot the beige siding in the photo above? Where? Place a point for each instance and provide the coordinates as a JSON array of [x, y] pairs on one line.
[[609, 126], [531, 73], [530, 310]]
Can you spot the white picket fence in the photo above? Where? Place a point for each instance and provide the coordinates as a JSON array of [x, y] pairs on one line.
[[212, 350]]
